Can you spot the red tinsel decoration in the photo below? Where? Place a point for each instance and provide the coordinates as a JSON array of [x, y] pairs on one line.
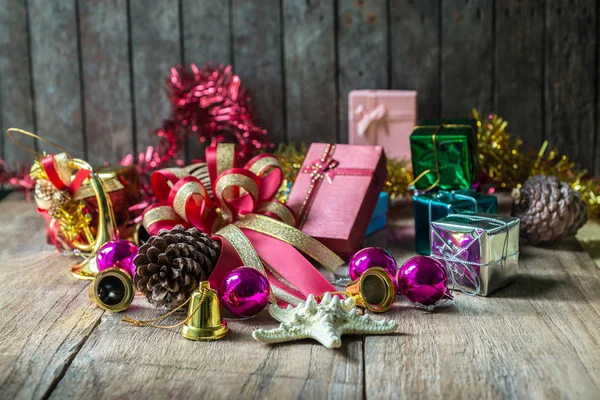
[[213, 104], [210, 103]]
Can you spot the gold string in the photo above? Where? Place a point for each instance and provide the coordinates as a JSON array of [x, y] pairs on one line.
[[138, 322], [33, 135]]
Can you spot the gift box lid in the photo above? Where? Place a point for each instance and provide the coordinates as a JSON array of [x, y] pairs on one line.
[[405, 101], [342, 205]]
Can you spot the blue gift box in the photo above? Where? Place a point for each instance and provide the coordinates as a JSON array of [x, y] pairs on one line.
[[379, 219], [433, 206]]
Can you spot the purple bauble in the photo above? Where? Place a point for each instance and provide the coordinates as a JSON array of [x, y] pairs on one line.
[[370, 257], [118, 253], [245, 291], [423, 280]]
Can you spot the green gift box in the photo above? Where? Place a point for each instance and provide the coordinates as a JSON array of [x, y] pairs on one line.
[[444, 153]]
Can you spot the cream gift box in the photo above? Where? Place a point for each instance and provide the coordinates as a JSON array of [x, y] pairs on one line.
[[384, 118]]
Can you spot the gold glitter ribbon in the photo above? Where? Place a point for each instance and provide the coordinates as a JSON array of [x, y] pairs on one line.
[[225, 157], [263, 165], [279, 209], [184, 193], [225, 191], [245, 250], [158, 214], [290, 235]]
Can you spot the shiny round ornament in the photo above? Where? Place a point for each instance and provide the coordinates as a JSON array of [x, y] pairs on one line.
[[370, 257], [245, 292], [117, 253], [423, 280]]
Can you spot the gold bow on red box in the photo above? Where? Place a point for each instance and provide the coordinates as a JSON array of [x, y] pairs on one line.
[[184, 200]]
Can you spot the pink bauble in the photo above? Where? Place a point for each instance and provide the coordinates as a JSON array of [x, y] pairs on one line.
[[245, 292], [423, 280], [118, 253], [370, 257]]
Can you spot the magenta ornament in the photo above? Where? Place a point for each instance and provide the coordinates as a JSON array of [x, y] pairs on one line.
[[118, 253], [370, 257], [423, 280], [245, 292]]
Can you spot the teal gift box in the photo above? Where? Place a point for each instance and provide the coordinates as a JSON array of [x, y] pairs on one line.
[[379, 219], [431, 207]]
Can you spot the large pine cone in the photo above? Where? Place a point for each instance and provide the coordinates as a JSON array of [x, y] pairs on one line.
[[171, 265], [549, 209]]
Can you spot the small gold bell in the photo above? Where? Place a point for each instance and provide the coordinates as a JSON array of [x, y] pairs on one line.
[[205, 321], [112, 290], [374, 290]]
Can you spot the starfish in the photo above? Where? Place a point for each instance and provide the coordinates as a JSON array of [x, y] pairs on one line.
[[325, 322]]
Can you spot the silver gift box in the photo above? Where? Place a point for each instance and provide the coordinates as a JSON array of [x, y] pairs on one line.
[[481, 251]]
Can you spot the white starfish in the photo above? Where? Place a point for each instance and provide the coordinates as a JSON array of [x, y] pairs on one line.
[[325, 322]]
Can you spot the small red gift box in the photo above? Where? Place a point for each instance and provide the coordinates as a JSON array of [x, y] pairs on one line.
[[336, 192]]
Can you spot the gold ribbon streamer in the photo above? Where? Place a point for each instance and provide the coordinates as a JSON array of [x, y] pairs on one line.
[[225, 157], [161, 213], [231, 182], [286, 233], [263, 164], [184, 193], [278, 209], [245, 250]]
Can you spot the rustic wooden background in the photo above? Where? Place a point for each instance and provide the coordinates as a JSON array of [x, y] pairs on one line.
[[90, 74]]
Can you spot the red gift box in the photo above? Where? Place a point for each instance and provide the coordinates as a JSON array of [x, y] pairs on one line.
[[336, 192]]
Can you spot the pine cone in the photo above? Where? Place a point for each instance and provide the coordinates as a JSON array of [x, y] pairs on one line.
[[549, 209], [171, 265]]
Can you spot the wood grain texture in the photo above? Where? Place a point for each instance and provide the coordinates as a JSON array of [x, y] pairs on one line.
[[155, 43], [310, 67], [256, 27], [467, 31], [519, 77], [538, 337], [206, 39], [570, 70], [106, 80], [56, 74], [16, 101], [46, 315], [415, 52], [162, 364], [362, 52]]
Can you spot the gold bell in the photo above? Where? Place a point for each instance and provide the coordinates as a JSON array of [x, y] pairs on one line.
[[374, 290], [204, 316], [112, 290]]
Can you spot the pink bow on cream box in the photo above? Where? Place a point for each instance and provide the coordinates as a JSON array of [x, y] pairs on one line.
[[384, 118]]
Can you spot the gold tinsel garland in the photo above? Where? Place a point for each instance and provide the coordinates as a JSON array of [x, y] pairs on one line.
[[504, 165]]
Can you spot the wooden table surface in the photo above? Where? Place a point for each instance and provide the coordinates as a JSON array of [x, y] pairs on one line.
[[539, 337]]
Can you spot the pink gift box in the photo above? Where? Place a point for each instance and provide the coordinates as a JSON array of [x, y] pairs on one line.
[[336, 192], [383, 117]]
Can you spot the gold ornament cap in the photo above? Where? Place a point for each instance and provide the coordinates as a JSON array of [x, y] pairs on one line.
[[204, 315], [374, 290], [112, 290]]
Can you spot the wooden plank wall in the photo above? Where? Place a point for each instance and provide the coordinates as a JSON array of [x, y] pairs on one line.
[[90, 75]]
